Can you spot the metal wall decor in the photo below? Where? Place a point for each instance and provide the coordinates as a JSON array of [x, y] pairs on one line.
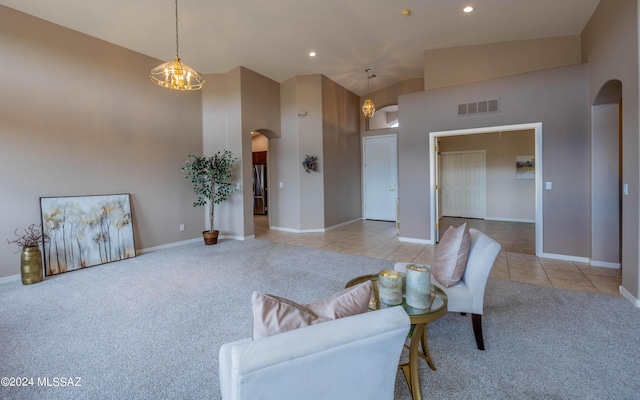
[[310, 163]]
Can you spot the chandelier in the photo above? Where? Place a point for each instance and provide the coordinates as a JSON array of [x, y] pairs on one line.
[[368, 108], [175, 74]]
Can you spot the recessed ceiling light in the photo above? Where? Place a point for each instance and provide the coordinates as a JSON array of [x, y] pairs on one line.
[[467, 9], [406, 12], [312, 54]]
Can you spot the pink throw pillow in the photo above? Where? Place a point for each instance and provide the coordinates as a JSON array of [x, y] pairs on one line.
[[273, 314], [451, 255]]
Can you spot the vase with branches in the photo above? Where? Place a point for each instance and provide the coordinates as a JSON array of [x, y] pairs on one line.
[[29, 243], [211, 179]]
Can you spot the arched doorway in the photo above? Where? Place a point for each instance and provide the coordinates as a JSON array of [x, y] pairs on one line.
[[260, 178], [606, 176]]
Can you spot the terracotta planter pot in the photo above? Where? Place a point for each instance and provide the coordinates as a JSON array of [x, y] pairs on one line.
[[210, 237]]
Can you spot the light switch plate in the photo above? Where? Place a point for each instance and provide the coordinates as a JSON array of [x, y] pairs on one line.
[[548, 185]]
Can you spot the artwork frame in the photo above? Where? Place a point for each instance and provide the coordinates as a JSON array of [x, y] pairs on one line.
[[526, 167], [85, 231]]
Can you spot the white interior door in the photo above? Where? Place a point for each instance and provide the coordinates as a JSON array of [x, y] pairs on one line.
[[463, 184], [380, 176], [473, 185], [451, 185]]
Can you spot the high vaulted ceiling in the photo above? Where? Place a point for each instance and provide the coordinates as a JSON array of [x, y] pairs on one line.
[[274, 37]]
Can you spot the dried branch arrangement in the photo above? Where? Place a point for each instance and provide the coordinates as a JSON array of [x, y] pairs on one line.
[[32, 237]]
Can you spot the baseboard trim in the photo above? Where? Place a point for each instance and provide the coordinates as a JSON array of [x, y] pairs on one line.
[[183, 242], [281, 229], [583, 260], [563, 257], [530, 221], [10, 279], [603, 264], [414, 240], [167, 246], [625, 293], [317, 230], [232, 237]]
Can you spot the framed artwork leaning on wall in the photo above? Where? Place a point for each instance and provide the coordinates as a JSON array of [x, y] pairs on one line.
[[85, 231]]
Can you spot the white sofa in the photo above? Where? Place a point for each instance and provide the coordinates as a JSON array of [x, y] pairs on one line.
[[352, 358]]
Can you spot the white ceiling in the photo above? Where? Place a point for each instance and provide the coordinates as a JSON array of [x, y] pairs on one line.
[[274, 37]]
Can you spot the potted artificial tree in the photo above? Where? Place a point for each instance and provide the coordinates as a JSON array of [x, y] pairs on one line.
[[211, 179]]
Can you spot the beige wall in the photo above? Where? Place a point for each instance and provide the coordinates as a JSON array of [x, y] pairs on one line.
[[260, 112], [284, 202], [507, 198], [312, 190], [341, 154], [222, 124], [457, 65], [235, 104], [605, 183], [80, 116], [299, 203], [556, 98], [386, 97], [328, 128], [610, 46]]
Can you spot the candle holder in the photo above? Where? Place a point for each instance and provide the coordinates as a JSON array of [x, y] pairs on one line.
[[418, 286], [390, 287]]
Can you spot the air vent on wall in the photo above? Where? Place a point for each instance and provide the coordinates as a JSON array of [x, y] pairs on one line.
[[479, 107]]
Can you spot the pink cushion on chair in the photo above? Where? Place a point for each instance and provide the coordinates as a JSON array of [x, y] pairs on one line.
[[273, 314], [451, 255], [350, 301]]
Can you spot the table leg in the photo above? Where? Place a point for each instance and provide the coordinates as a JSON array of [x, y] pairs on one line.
[[425, 349], [414, 383]]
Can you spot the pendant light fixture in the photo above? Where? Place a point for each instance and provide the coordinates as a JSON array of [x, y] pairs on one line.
[[368, 108], [175, 74]]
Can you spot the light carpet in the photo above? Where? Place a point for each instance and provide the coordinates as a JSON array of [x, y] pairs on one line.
[[150, 328]]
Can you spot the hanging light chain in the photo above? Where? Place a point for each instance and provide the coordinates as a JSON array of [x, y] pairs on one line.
[[174, 74], [177, 52], [368, 70]]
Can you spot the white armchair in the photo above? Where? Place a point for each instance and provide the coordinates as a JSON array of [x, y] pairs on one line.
[[467, 296], [350, 358]]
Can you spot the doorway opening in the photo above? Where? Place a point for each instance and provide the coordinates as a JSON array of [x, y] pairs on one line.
[[537, 173], [260, 181], [607, 187]]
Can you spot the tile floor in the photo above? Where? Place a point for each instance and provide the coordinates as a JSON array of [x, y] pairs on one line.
[[516, 261]]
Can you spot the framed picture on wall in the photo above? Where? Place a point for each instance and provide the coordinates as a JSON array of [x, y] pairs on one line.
[[85, 231], [525, 167]]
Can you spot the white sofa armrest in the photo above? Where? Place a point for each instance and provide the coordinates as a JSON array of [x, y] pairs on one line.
[[348, 358]]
